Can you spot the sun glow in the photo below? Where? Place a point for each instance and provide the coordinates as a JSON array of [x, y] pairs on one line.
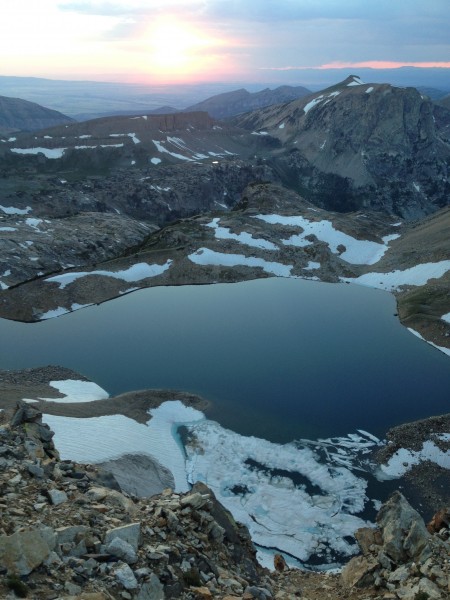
[[177, 48]]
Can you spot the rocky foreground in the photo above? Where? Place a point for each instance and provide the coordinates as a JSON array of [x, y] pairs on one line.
[[68, 532]]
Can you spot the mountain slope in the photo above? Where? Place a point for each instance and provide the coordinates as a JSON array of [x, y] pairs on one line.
[[21, 115], [357, 145], [229, 104]]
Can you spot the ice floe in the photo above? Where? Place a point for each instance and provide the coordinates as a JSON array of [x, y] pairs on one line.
[[357, 252], [109, 437], [136, 272], [393, 281], [287, 496], [204, 256], [224, 233]]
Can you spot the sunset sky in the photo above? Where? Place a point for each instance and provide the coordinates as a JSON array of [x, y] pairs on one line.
[[167, 41]]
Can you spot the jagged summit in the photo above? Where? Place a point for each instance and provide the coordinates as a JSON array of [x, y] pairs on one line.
[[356, 145]]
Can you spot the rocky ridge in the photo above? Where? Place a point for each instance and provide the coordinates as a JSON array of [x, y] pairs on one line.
[[68, 532], [357, 145]]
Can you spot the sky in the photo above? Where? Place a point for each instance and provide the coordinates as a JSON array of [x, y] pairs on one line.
[[192, 41]]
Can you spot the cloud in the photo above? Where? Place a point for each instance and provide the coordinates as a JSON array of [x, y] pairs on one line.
[[130, 8], [370, 64]]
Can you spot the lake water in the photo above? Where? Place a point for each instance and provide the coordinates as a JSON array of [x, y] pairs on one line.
[[280, 359]]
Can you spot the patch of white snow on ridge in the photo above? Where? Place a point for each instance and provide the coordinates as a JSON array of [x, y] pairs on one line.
[[415, 276], [369, 89], [109, 437], [282, 126], [355, 81], [8, 228], [311, 266], [155, 161], [47, 152], [223, 233], [357, 252], [161, 148], [75, 390], [403, 460], [308, 505], [58, 312], [12, 210], [206, 257], [34, 223], [446, 317], [441, 348], [136, 272]]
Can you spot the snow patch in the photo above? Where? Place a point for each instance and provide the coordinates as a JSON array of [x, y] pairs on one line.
[[47, 152], [206, 257], [357, 252], [224, 233], [403, 460], [75, 390], [136, 272], [446, 317], [415, 276], [369, 90], [109, 437], [155, 161], [12, 210], [58, 312]]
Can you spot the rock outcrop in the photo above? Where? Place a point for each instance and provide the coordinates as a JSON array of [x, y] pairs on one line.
[[401, 556], [65, 536]]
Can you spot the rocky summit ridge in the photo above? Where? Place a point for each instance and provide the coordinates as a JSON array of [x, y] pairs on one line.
[[69, 533]]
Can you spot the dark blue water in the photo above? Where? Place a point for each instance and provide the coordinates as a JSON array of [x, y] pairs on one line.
[[278, 358]]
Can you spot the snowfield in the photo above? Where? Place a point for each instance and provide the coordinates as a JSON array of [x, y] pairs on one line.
[[136, 272], [357, 252], [205, 257]]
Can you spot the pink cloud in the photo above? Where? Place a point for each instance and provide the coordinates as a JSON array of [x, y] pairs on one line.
[[385, 64], [370, 64]]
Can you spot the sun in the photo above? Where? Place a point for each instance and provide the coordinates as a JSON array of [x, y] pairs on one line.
[[176, 47]]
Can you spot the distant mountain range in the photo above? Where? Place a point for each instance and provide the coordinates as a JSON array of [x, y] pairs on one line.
[[230, 104], [21, 115]]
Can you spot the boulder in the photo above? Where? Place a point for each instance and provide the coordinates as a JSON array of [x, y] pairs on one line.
[[403, 531], [23, 551]]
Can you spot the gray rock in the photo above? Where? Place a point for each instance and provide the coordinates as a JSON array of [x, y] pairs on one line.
[[128, 533], [151, 590], [69, 534], [196, 500], [123, 550], [57, 496], [126, 577], [403, 530], [359, 572], [23, 551], [36, 470]]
